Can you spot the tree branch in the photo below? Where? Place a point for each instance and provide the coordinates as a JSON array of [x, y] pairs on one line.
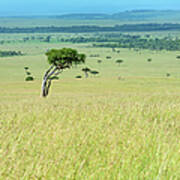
[[48, 71]]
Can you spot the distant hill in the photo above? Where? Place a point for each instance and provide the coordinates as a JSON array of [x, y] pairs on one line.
[[88, 16], [134, 15], [147, 15]]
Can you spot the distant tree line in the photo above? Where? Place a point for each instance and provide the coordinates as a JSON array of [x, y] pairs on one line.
[[128, 41], [152, 44], [110, 40], [82, 29], [10, 53], [142, 43]]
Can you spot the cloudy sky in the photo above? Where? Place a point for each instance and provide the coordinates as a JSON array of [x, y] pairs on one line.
[[42, 7]]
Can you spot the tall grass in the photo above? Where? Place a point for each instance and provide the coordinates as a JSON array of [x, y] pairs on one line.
[[91, 129]]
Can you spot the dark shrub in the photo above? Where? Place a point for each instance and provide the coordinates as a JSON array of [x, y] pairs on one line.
[[29, 78], [108, 57], [78, 77]]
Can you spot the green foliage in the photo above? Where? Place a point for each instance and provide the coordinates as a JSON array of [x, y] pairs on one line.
[[28, 74], [10, 53], [86, 69], [65, 57], [26, 68], [108, 57], [149, 59], [78, 77], [137, 42], [54, 78], [119, 61], [29, 78]]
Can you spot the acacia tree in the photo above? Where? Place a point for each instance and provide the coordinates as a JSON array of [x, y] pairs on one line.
[[59, 59], [119, 61], [86, 70]]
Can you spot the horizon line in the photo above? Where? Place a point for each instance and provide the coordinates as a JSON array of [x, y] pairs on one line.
[[79, 13]]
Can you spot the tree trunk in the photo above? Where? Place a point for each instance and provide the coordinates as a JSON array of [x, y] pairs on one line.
[[44, 88], [46, 83], [86, 74]]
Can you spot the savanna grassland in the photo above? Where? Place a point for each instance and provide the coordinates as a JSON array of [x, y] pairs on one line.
[[122, 124]]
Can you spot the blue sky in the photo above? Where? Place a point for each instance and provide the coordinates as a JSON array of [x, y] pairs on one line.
[[40, 7]]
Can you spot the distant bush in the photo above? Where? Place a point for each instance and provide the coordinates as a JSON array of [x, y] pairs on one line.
[[29, 78], [108, 57], [94, 72], [10, 53], [178, 57], [168, 74], [28, 74], [149, 59], [78, 77], [94, 55], [26, 68]]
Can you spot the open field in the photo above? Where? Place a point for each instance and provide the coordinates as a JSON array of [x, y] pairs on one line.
[[40, 22], [91, 129], [96, 128]]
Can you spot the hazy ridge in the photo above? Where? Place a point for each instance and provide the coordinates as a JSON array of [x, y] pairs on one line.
[[133, 15]]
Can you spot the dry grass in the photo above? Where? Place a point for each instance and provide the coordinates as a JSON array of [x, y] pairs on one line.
[[92, 129]]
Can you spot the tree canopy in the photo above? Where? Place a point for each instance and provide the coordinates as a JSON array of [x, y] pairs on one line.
[[64, 58]]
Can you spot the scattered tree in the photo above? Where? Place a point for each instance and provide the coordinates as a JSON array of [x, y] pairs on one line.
[[86, 70], [119, 61], [59, 59], [149, 59], [168, 74]]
